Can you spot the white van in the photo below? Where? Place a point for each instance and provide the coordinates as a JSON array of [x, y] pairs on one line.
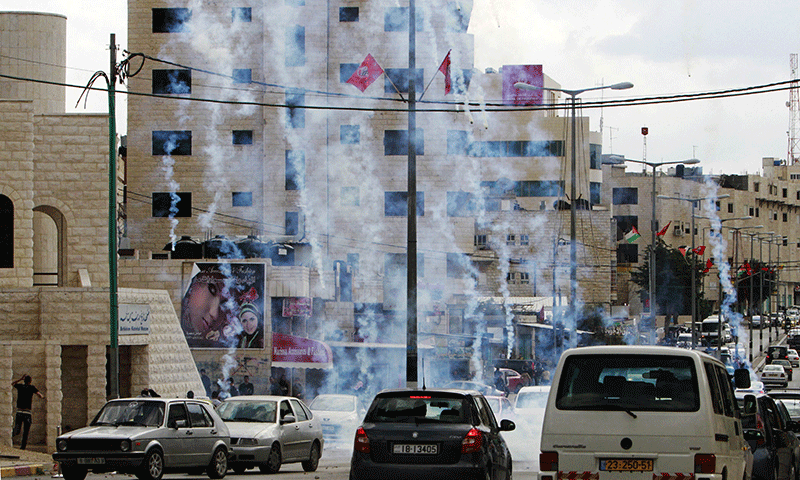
[[643, 413]]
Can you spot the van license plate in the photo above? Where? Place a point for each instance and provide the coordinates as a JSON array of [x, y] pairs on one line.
[[423, 449], [627, 465]]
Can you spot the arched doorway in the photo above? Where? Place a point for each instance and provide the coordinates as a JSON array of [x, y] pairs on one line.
[[6, 232], [48, 247]]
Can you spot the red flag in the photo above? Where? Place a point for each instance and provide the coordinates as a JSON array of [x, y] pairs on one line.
[[699, 250], [663, 231], [366, 73], [709, 264], [445, 69], [748, 268], [682, 249]]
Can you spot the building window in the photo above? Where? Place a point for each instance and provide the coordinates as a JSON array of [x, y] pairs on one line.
[[346, 71], [627, 253], [295, 115], [172, 204], [351, 196], [730, 208], [398, 77], [504, 148], [524, 278], [242, 199], [171, 20], [757, 212], [241, 14], [511, 278], [6, 232], [751, 212], [480, 240], [172, 82], [785, 217], [717, 206], [461, 204], [785, 192], [172, 142], [524, 239], [775, 216], [595, 192], [625, 196], [457, 142], [242, 137], [242, 75], [396, 19], [396, 204], [349, 134], [292, 223], [395, 142], [295, 169], [624, 224], [755, 186], [295, 46], [511, 239], [348, 14], [595, 156]]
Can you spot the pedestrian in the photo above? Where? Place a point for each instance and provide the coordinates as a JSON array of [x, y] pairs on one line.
[[246, 388], [206, 381], [190, 394], [23, 418], [274, 388]]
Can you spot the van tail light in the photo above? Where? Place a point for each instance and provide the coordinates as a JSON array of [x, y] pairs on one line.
[[548, 461], [362, 441], [760, 427], [705, 463], [472, 442]]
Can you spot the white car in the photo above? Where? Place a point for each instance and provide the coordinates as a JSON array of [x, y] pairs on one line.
[[530, 404], [793, 357], [267, 431], [774, 375], [340, 416]]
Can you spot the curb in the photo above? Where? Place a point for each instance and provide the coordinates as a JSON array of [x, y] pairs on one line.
[[23, 471]]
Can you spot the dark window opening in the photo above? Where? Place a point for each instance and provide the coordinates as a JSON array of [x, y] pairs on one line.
[[172, 82], [292, 223], [171, 20], [398, 77], [242, 75], [395, 142], [396, 19], [6, 232], [242, 137], [242, 199], [625, 196], [172, 142], [295, 116], [461, 204], [396, 204], [627, 253], [346, 71], [241, 14], [295, 169], [295, 46], [595, 156], [625, 223], [172, 204], [349, 134], [348, 14]]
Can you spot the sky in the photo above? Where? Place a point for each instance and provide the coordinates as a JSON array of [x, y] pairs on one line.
[[663, 48]]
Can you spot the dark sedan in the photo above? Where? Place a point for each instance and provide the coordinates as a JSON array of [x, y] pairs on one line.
[[412, 434], [771, 434]]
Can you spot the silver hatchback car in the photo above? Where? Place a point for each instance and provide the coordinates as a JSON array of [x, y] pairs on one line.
[[147, 437], [268, 431]]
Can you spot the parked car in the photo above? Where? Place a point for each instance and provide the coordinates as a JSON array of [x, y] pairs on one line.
[[501, 407], [339, 415], [774, 375], [755, 321], [432, 433], [787, 366], [643, 412], [529, 406], [793, 357], [147, 437], [513, 379], [771, 434], [268, 431]]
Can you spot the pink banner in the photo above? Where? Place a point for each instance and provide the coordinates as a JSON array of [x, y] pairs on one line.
[[289, 351], [297, 307], [530, 74]]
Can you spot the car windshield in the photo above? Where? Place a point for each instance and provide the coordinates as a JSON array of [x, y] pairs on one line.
[[532, 399], [628, 382], [419, 407], [131, 413], [333, 404], [773, 368], [248, 411], [793, 406]]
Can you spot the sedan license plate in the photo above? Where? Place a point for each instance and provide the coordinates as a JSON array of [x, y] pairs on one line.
[[627, 465], [91, 461], [420, 449]]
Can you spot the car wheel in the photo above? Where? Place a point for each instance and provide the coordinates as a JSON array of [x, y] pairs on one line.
[[273, 463], [219, 464], [73, 473], [238, 469], [312, 463], [153, 466]]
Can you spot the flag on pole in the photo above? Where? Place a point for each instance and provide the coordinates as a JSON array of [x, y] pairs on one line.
[[699, 250], [366, 73], [663, 231], [633, 235], [445, 69], [682, 249], [748, 268], [709, 264]]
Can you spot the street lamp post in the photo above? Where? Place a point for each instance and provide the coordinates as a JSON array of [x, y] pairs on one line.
[[573, 275], [652, 269], [750, 301], [694, 202]]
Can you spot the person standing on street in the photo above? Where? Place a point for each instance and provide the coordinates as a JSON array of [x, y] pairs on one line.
[[23, 418]]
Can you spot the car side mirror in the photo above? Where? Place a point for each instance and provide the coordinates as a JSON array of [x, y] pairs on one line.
[[749, 405], [507, 425], [178, 424], [741, 377], [753, 435], [288, 419]]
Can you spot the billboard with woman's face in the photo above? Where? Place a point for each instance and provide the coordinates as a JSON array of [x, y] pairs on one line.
[[223, 306]]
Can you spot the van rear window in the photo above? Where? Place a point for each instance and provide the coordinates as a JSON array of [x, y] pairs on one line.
[[660, 383]]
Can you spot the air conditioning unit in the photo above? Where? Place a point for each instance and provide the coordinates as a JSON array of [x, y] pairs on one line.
[[677, 229]]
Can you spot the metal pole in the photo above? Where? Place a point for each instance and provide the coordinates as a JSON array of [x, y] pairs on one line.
[[750, 303], [769, 292], [761, 295], [653, 256], [113, 368], [411, 254], [573, 246], [694, 281]]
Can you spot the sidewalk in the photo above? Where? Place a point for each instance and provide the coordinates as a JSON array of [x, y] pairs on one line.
[[23, 463]]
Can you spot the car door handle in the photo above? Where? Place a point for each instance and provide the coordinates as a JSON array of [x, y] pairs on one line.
[[189, 432], [297, 427], [213, 432]]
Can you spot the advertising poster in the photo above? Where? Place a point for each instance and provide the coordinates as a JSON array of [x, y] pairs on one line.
[[223, 306]]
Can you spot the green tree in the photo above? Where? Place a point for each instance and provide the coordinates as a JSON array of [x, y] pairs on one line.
[[754, 276], [673, 288]]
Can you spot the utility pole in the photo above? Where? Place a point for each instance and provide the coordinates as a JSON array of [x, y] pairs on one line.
[[113, 368], [411, 251]]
